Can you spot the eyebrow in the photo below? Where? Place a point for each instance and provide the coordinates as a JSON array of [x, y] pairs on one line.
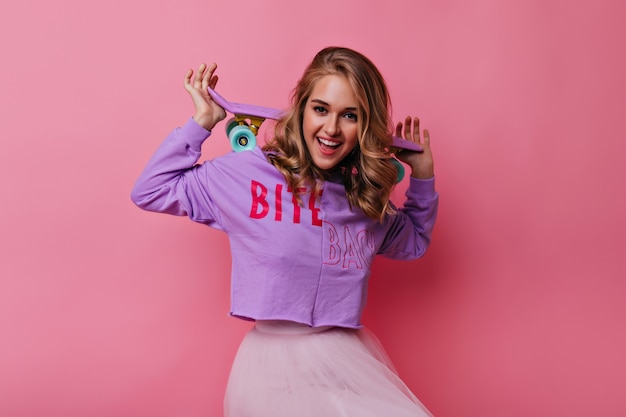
[[317, 100]]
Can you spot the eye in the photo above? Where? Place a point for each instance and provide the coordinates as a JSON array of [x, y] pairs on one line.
[[351, 116], [320, 109]]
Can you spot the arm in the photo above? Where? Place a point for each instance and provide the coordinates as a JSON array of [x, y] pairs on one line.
[[171, 182], [411, 228]]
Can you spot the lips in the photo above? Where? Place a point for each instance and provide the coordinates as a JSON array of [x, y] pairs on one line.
[[328, 147]]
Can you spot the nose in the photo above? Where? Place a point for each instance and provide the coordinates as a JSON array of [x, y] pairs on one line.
[[331, 127]]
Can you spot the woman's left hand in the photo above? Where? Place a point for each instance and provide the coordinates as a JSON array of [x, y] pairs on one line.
[[421, 163]]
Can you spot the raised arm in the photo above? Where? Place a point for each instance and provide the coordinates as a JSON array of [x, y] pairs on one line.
[[411, 228], [171, 182]]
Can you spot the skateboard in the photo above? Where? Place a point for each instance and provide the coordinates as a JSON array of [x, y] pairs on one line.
[[243, 127]]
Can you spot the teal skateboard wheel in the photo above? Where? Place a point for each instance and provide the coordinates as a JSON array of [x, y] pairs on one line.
[[241, 138], [399, 168]]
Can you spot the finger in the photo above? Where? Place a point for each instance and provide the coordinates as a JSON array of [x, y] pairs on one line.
[[188, 76], [207, 76], [426, 137], [416, 129], [199, 75], [399, 129], [213, 82], [407, 128], [211, 69]]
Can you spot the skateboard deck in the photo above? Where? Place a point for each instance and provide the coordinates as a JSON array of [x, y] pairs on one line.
[[260, 113], [245, 109], [400, 143]]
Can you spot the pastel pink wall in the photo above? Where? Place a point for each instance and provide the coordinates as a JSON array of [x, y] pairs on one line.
[[517, 309]]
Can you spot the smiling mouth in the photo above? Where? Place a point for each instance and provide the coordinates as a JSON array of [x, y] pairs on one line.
[[328, 146]]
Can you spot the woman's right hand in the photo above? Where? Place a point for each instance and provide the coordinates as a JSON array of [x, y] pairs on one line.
[[208, 112]]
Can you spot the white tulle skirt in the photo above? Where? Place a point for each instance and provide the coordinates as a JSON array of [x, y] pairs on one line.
[[285, 369]]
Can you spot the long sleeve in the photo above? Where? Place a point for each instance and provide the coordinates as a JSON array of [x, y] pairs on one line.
[[172, 183], [411, 227]]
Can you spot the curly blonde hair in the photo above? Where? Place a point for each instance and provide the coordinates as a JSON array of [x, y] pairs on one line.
[[368, 174]]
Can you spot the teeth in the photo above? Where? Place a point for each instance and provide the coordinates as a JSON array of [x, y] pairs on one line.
[[328, 142]]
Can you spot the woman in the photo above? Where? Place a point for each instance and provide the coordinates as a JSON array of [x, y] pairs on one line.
[[305, 217]]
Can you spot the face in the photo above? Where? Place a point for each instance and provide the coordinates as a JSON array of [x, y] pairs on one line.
[[330, 123]]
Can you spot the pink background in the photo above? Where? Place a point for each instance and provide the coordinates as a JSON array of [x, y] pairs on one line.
[[518, 308]]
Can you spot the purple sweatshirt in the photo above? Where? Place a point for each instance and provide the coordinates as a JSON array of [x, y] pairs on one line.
[[309, 264]]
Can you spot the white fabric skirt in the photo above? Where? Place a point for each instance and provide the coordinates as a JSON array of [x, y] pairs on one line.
[[286, 369]]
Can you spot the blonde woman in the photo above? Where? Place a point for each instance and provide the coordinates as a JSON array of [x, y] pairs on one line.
[[305, 215]]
